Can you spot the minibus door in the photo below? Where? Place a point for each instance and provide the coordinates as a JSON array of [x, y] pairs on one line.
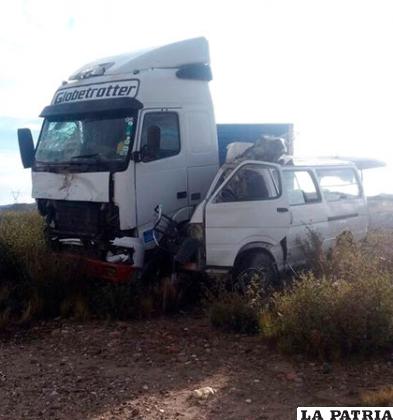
[[249, 207]]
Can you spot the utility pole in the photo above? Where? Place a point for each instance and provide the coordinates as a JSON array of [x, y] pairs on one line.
[[15, 195]]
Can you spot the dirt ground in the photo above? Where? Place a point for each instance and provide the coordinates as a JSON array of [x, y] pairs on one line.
[[148, 370]]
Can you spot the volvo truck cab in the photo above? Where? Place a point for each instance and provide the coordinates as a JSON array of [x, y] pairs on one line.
[[121, 135]]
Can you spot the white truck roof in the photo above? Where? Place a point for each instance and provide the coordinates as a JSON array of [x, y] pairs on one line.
[[190, 51]]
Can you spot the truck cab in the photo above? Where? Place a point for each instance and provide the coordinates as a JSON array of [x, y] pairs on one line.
[[121, 135]]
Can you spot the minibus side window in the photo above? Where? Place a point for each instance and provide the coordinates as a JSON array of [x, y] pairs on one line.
[[251, 183], [339, 183], [224, 175], [301, 187]]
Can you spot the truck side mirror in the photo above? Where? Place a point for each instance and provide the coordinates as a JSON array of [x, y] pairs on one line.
[[26, 147], [145, 153], [136, 156]]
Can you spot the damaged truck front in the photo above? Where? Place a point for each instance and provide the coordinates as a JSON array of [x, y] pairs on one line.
[[120, 136]]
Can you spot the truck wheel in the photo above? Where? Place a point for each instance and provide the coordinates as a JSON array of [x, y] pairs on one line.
[[257, 273]]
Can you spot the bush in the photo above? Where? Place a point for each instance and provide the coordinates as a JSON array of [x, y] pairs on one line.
[[378, 245], [233, 313], [346, 309], [34, 281], [230, 311], [38, 283]]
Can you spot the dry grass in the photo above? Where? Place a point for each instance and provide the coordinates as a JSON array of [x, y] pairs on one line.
[[233, 313], [344, 306], [230, 311], [336, 318], [380, 398], [37, 283]]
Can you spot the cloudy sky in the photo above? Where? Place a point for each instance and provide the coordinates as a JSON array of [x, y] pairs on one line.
[[326, 66]]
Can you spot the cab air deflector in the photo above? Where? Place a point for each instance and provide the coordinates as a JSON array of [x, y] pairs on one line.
[[100, 106]]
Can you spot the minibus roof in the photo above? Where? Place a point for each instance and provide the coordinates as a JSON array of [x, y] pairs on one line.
[[321, 161], [360, 163]]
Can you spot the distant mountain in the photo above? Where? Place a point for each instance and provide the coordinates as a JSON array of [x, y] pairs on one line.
[[19, 207], [380, 208], [381, 197]]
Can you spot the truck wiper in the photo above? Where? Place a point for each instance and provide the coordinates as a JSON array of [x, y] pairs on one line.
[[88, 156]]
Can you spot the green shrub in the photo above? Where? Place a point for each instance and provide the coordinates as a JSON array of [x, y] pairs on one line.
[[230, 311], [20, 247], [233, 313], [38, 283], [311, 248], [346, 309], [117, 301], [22, 242], [34, 281], [378, 245]]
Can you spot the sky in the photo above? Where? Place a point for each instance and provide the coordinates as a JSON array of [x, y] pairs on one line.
[[325, 66]]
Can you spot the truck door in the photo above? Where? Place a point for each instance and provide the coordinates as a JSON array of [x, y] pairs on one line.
[[160, 176], [249, 207]]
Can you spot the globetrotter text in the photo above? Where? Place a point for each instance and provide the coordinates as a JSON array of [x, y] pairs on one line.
[[99, 91]]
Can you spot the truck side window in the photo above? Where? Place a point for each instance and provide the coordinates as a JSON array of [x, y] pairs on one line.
[[160, 135], [301, 187], [338, 183], [251, 183]]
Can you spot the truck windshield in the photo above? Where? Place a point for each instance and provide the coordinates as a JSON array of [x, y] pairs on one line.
[[82, 140]]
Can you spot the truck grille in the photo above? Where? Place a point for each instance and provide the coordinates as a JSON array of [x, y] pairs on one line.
[[85, 219]]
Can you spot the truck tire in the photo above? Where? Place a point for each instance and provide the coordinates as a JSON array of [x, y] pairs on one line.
[[256, 271]]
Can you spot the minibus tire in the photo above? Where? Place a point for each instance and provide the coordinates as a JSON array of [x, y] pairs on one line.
[[252, 266]]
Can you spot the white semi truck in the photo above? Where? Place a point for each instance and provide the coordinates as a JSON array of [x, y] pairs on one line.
[[122, 135]]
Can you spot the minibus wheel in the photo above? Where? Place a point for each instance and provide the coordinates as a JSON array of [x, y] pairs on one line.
[[255, 272]]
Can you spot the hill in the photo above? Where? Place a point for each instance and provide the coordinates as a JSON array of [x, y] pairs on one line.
[[19, 207]]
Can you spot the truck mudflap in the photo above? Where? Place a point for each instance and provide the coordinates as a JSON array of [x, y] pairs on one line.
[[113, 272]]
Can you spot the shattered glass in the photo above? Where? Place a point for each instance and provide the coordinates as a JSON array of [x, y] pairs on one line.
[[86, 139]]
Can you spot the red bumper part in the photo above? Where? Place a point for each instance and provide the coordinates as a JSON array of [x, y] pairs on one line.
[[104, 270], [110, 271]]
